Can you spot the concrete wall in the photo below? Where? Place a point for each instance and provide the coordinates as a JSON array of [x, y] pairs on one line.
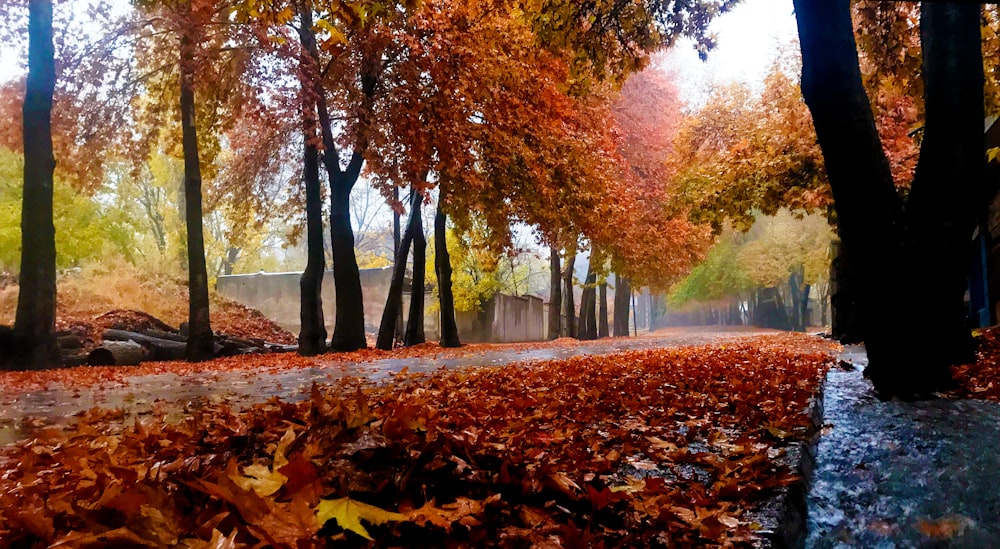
[[276, 295]]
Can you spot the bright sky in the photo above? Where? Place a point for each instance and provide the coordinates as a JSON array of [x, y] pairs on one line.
[[748, 41]]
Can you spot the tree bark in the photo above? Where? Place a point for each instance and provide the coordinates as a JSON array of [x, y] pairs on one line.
[[415, 320], [388, 331], [442, 267], [34, 342], [896, 256], [587, 327], [349, 322], [623, 292], [200, 344], [312, 334], [396, 240], [568, 292], [555, 294], [602, 310]]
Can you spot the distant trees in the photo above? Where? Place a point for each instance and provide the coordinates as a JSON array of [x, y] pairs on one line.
[[507, 114]]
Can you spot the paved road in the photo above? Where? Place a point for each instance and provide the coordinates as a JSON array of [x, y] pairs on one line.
[[57, 404], [895, 474]]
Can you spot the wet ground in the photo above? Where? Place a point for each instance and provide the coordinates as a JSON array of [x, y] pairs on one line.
[[895, 474], [57, 404]]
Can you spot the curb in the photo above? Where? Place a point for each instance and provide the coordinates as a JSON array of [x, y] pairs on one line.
[[785, 517]]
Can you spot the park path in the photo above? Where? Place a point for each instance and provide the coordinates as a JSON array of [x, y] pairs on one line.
[[897, 474], [57, 404]]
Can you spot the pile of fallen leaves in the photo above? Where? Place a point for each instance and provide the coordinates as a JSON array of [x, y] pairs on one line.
[[645, 448], [981, 379]]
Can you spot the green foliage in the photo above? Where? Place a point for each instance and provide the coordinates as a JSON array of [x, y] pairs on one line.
[[763, 257], [85, 229], [716, 277]]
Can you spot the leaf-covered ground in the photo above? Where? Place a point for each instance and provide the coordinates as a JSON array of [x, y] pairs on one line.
[[644, 448]]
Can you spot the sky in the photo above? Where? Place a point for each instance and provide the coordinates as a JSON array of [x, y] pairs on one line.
[[748, 40]]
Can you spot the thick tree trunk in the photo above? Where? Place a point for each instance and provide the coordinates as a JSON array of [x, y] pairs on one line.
[[602, 310], [312, 335], [200, 345], [623, 292], [415, 320], [555, 294], [34, 342], [442, 267], [568, 292], [388, 331], [895, 257], [349, 329]]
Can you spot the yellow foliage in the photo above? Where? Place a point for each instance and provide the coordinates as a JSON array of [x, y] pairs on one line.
[[349, 514]]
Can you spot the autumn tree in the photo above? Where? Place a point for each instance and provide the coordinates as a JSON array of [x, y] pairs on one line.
[[899, 252]]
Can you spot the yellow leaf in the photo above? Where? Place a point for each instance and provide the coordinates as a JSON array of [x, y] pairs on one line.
[[349, 514], [261, 479]]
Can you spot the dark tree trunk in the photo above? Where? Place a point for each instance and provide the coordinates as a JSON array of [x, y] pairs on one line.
[[200, 341], [804, 313], [388, 331], [312, 337], [349, 322], [588, 307], [555, 294], [349, 327], [602, 310], [34, 341], [623, 292], [796, 281], [568, 293], [897, 256], [415, 320], [396, 241], [232, 254], [442, 267]]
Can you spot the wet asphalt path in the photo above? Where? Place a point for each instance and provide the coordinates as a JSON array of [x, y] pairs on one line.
[[58, 404], [896, 474]]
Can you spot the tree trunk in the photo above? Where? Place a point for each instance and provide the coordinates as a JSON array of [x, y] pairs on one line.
[[602, 310], [896, 256], [393, 311], [804, 313], [232, 254], [118, 353], [349, 327], [588, 306], [568, 292], [795, 286], [442, 267], [200, 344], [396, 241], [555, 294], [349, 322], [623, 291], [312, 335], [415, 320], [34, 342]]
